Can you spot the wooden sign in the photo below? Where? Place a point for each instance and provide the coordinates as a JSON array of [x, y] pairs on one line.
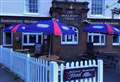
[[79, 73], [71, 14]]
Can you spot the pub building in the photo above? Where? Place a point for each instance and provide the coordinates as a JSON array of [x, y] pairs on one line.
[[72, 14], [67, 46], [110, 43]]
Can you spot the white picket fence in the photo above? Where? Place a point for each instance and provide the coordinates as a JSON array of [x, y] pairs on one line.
[[29, 69], [41, 70]]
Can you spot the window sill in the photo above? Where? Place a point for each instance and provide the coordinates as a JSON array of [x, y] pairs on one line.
[[69, 43], [31, 13], [97, 15], [28, 44], [116, 44], [7, 44], [99, 44]]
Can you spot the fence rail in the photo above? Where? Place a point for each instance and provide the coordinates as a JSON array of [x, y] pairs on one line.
[[41, 70]]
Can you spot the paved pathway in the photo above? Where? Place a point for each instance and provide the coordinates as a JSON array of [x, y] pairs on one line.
[[111, 75], [6, 76]]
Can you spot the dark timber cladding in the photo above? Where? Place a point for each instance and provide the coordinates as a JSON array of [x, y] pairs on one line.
[[71, 13]]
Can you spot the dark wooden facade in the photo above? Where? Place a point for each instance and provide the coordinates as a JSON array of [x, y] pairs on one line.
[[73, 14]]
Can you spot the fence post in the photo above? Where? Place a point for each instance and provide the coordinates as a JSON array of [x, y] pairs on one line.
[[100, 70], [1, 54], [53, 72], [28, 68], [11, 60]]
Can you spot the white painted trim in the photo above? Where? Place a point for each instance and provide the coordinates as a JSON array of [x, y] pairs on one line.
[[25, 6], [4, 39], [98, 15], [30, 13], [31, 44], [99, 44], [96, 34], [74, 42], [116, 44], [69, 43]]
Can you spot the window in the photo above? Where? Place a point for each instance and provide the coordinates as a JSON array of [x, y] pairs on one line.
[[97, 39], [25, 39], [116, 40], [31, 38], [32, 6], [97, 7], [7, 38], [69, 0], [70, 39]]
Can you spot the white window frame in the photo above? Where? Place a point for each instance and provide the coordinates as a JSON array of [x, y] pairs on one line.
[[4, 39], [73, 38], [28, 34], [116, 43], [97, 34], [103, 8], [26, 8]]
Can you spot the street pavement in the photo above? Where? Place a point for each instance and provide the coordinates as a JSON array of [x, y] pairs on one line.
[[6, 76], [111, 75]]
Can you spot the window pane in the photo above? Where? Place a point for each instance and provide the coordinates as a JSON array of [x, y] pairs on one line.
[[45, 36], [33, 6], [8, 38], [96, 39], [102, 38], [39, 39], [115, 39], [32, 39], [90, 39], [97, 6], [63, 37], [69, 38], [75, 37], [25, 39]]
